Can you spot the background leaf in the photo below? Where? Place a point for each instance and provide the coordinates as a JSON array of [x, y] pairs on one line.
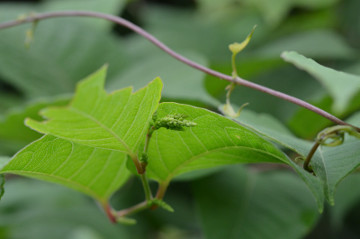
[[14, 134], [243, 204], [341, 86], [38, 210]]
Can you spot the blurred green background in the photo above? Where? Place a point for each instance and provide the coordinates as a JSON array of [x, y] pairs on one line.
[[66, 50]]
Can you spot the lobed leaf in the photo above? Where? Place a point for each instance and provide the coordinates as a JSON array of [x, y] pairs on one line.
[[117, 121], [87, 142]]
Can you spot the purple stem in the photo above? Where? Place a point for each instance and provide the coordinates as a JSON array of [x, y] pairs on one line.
[[177, 56]]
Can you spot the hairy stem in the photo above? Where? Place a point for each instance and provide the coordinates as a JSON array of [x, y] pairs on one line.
[[155, 41]]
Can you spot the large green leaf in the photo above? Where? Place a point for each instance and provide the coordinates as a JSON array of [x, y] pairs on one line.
[[214, 141], [341, 86], [93, 136], [243, 204], [117, 121]]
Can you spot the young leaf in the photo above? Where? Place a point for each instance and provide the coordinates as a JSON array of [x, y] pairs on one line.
[[117, 121], [341, 86], [214, 141], [241, 204], [93, 171]]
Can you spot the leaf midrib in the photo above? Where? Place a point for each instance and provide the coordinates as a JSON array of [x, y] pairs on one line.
[[129, 151]]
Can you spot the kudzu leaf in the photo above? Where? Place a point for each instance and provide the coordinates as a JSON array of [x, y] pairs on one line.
[[117, 121], [242, 204], [215, 141], [341, 86]]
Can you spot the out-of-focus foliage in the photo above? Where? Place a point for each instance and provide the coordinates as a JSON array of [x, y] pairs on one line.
[[64, 51]]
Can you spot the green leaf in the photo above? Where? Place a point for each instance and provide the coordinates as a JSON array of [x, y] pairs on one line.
[[37, 210], [180, 81], [47, 64], [273, 130], [341, 86], [241, 204], [333, 164], [316, 43], [93, 171], [117, 121], [14, 134], [214, 141], [90, 139], [2, 182], [347, 197]]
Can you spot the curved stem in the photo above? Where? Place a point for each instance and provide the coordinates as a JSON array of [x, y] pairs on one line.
[[306, 165], [162, 46]]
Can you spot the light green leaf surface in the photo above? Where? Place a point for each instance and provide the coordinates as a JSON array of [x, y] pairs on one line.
[[215, 141], [341, 86], [90, 139], [117, 121], [93, 171], [242, 204]]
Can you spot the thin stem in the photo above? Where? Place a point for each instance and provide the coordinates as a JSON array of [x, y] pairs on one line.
[[162, 46], [146, 187], [162, 190], [310, 155], [134, 209], [109, 212]]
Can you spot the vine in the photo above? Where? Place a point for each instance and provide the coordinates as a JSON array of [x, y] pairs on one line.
[[237, 80]]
